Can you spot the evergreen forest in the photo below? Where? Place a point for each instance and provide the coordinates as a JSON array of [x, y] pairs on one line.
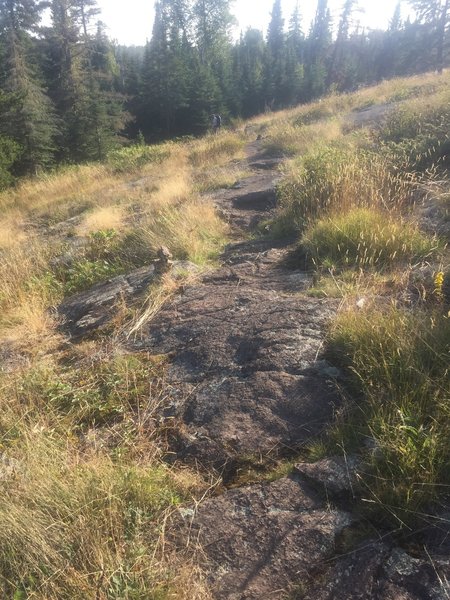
[[68, 94]]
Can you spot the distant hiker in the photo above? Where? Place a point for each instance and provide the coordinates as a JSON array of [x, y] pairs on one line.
[[216, 122]]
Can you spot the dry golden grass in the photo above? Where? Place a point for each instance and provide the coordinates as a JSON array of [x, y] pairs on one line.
[[85, 496], [102, 218], [11, 231], [393, 90], [284, 137], [216, 150], [50, 502], [209, 180], [48, 191], [191, 230]]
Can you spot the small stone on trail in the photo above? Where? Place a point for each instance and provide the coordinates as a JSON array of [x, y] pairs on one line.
[[164, 262]]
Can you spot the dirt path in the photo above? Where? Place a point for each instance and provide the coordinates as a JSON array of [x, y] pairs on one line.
[[247, 381], [247, 376]]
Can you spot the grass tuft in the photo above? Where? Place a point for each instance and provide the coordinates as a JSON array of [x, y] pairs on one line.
[[365, 238], [397, 365]]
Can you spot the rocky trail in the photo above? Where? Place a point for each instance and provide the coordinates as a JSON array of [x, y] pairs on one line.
[[247, 379]]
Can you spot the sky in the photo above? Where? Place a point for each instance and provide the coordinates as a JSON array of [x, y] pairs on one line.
[[130, 21]]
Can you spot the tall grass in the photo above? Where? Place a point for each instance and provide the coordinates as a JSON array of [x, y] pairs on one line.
[[334, 179], [192, 230], [85, 527], [397, 364], [419, 129], [365, 238], [83, 507], [216, 149], [288, 138]]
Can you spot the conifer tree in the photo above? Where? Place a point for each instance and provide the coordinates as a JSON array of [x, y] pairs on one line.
[[250, 57], [64, 75], [341, 61], [390, 56], [29, 120], [318, 46], [275, 58], [166, 73], [295, 74], [211, 24], [435, 13], [100, 109]]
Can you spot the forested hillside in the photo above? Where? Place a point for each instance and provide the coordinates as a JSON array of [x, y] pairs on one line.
[[68, 94]]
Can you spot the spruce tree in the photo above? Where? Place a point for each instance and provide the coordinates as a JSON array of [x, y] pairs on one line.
[[212, 21], [166, 74], [98, 108], [342, 60], [65, 76], [275, 59], [250, 55], [29, 120], [295, 50], [436, 14], [319, 43]]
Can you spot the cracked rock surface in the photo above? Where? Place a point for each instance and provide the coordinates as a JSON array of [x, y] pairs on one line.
[[259, 539]]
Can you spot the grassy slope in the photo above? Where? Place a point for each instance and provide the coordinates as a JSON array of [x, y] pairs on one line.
[[85, 493]]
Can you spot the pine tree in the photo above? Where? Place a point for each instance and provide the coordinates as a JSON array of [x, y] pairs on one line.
[[319, 43], [9, 149], [64, 75], [342, 61], [30, 119], [389, 61], [295, 47], [275, 58], [435, 13], [98, 109], [212, 21], [250, 55]]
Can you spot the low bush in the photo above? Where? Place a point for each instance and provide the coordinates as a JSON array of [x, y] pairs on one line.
[[133, 158], [84, 273], [92, 395]]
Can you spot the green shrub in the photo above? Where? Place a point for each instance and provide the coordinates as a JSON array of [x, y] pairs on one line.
[[135, 157], [84, 273], [365, 238], [102, 244], [96, 395], [397, 366], [316, 113]]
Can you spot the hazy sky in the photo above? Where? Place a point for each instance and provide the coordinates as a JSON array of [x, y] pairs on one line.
[[130, 21]]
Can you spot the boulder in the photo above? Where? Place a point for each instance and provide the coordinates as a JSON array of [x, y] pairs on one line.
[[246, 373], [338, 476], [86, 311], [258, 541], [379, 572]]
